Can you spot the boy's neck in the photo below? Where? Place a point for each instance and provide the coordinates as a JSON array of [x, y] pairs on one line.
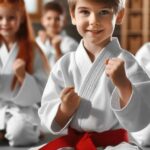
[[52, 35], [93, 50]]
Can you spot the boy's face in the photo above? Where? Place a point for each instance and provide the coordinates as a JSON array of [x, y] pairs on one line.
[[95, 22], [53, 22]]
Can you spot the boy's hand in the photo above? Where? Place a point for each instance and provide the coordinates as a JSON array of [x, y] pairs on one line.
[[70, 101], [116, 72], [19, 69], [56, 41]]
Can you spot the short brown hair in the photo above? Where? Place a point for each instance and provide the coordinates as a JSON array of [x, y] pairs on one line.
[[55, 6], [116, 4]]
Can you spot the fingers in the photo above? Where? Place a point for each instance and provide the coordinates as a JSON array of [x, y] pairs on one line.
[[106, 61], [108, 66], [67, 90], [69, 96], [19, 69], [112, 61], [19, 63], [113, 66], [68, 93]]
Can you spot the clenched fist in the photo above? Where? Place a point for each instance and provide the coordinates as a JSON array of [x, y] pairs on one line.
[[115, 70], [70, 101], [19, 69]]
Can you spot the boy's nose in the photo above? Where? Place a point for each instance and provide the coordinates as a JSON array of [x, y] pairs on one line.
[[93, 19], [53, 22]]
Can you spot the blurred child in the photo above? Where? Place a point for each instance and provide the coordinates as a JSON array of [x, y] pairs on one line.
[[54, 41], [143, 57], [97, 93], [23, 75]]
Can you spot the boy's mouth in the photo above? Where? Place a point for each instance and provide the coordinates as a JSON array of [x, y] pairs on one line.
[[93, 31]]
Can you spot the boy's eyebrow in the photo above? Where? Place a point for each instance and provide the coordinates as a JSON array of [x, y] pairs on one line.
[[103, 8], [83, 7]]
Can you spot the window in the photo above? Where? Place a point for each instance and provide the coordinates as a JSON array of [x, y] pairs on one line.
[[33, 8]]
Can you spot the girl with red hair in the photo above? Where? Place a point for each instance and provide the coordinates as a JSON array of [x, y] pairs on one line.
[[23, 75]]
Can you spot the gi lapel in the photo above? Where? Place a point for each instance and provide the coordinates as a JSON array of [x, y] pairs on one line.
[[93, 72], [3, 54], [8, 58]]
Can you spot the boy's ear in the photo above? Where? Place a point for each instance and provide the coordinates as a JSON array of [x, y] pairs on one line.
[[120, 16], [73, 20]]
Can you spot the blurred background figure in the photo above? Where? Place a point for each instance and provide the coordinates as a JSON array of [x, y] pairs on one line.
[[52, 39], [143, 58], [23, 74]]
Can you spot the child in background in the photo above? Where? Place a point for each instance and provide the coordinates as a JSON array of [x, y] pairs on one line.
[[54, 42], [97, 93], [23, 75], [143, 57]]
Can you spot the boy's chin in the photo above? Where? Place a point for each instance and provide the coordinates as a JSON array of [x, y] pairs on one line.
[[53, 31]]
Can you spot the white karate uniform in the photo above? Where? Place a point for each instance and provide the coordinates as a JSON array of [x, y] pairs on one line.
[[99, 109], [67, 44], [18, 107], [143, 57]]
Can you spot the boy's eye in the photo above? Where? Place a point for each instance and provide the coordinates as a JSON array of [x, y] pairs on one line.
[[84, 12], [57, 18], [53, 18], [105, 12]]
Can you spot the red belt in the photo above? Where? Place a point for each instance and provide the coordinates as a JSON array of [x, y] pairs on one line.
[[88, 140]]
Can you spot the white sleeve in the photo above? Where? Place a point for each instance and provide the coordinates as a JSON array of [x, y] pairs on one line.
[[28, 93], [135, 115], [51, 101], [143, 57], [33, 85]]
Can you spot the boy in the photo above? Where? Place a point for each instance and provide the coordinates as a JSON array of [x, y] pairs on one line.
[[52, 40], [95, 92]]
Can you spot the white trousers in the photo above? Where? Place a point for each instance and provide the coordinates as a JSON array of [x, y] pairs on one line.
[[142, 137], [20, 132], [122, 146]]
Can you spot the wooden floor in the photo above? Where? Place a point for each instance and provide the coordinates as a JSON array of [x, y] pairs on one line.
[[47, 138], [5, 146]]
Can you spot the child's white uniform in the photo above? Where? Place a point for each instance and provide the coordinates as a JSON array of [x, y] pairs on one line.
[[18, 109], [67, 44], [143, 57], [99, 108]]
